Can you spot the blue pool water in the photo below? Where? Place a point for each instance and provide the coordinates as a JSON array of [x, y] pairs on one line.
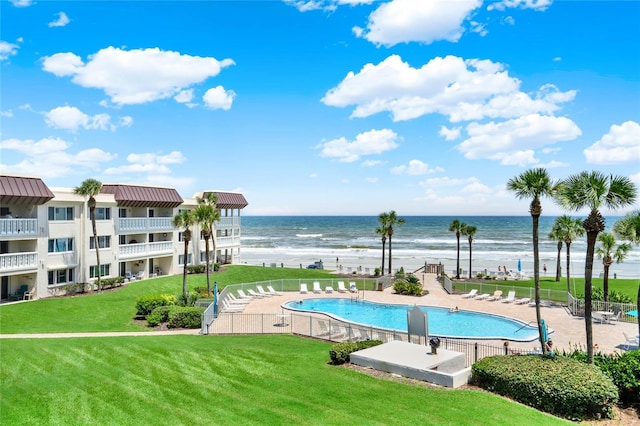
[[442, 322]]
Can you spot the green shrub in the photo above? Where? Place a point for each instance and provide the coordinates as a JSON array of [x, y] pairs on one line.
[[111, 282], [376, 272], [158, 316], [400, 273], [409, 288], [185, 317], [146, 304], [557, 385], [195, 269], [189, 300], [340, 352], [623, 369]]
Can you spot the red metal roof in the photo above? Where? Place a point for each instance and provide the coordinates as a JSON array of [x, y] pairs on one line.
[[23, 191], [229, 200], [143, 196]]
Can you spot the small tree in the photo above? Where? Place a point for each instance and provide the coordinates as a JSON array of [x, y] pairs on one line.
[[185, 219], [556, 235], [457, 226], [90, 188], [608, 251]]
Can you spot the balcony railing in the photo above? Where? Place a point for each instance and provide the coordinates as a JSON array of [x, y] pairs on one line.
[[222, 242], [144, 224], [19, 227], [228, 222], [18, 261], [146, 249]]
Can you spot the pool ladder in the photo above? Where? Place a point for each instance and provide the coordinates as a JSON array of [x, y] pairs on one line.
[[357, 297]]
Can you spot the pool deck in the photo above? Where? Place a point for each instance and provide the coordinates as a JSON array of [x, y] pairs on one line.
[[569, 331]]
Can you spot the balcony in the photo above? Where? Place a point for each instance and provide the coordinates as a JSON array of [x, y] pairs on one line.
[[19, 227], [129, 251], [144, 224], [228, 222], [18, 262], [222, 242]]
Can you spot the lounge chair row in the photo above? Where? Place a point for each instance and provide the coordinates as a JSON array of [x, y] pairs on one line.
[[329, 289], [497, 295], [237, 304]]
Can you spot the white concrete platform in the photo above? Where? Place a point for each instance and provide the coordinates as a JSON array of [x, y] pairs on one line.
[[446, 368]]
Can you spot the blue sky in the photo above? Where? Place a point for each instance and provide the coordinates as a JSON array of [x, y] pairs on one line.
[[339, 107]]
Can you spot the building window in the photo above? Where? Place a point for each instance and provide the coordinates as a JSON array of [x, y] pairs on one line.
[[102, 213], [60, 276], [104, 241], [181, 259], [60, 213], [180, 237], [57, 245], [105, 271]]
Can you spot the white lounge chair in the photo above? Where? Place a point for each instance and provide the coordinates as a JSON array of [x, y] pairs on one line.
[[328, 289], [234, 300], [273, 292], [341, 287], [316, 287], [303, 288], [352, 287], [254, 294], [227, 307], [497, 295], [482, 296], [243, 295], [262, 292], [522, 301], [511, 297], [630, 341], [471, 294]]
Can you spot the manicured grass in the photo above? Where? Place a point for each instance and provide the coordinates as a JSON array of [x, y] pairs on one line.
[[206, 380], [114, 310]]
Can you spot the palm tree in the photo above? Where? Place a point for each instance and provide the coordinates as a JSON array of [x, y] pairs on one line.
[[608, 252], [185, 219], [628, 228], [457, 226], [90, 188], [534, 183], [206, 215], [594, 190], [469, 231], [393, 220], [382, 231], [556, 235], [570, 229]]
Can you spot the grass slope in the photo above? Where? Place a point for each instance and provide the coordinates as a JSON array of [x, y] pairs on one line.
[[195, 380]]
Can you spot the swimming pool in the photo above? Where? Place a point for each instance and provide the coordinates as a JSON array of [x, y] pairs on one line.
[[461, 324]]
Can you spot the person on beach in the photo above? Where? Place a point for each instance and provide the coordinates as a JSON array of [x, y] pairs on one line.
[[544, 268]]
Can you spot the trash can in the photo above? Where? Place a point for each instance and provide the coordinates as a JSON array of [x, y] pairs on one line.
[[380, 286]]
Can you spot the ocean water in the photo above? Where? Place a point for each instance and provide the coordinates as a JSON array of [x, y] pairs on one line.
[[350, 242]]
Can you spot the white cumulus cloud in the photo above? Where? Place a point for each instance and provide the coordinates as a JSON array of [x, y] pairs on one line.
[[426, 21], [72, 119], [7, 49], [539, 5], [135, 76], [461, 89], [21, 3], [449, 134], [61, 20], [415, 168], [620, 145], [514, 141], [372, 142], [219, 98]]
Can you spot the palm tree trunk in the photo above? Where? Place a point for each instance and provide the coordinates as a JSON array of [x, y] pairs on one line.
[[383, 252], [389, 254], [605, 282], [588, 288], [458, 257], [558, 267], [568, 269], [536, 280], [470, 259], [206, 251], [92, 214], [184, 271]]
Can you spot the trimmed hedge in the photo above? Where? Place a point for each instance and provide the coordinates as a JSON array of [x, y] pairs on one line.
[[146, 304], [340, 352], [557, 385], [159, 315], [185, 317]]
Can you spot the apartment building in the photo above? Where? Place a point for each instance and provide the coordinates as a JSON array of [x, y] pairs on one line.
[[47, 242]]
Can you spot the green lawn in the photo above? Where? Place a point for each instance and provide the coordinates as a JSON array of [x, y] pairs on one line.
[[193, 380]]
